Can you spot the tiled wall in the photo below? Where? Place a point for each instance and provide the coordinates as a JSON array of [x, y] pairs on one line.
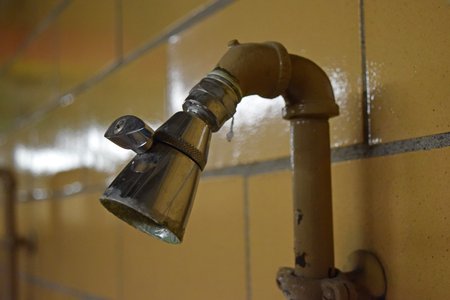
[[68, 68]]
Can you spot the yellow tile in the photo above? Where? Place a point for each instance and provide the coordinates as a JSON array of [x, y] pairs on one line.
[[137, 88], [325, 32], [87, 40], [17, 20], [55, 138], [77, 244], [409, 65], [397, 207], [146, 20], [271, 234], [67, 182], [88, 241], [31, 82], [37, 291], [210, 261], [71, 137], [40, 219]]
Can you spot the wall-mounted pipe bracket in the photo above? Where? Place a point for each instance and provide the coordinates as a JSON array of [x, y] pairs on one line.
[[365, 280]]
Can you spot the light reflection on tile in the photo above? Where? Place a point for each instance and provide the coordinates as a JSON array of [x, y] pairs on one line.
[[71, 149], [71, 136], [409, 79], [196, 51]]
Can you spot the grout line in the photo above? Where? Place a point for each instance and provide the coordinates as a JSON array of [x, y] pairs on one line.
[[67, 98], [424, 143], [366, 108], [40, 27], [53, 286], [251, 169], [349, 153], [197, 16], [247, 244], [359, 151]]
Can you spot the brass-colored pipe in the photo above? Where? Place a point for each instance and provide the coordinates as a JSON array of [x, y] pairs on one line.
[[268, 70], [313, 219], [263, 69], [309, 103]]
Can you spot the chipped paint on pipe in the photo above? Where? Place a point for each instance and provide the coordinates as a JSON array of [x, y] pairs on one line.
[[268, 71], [313, 233], [310, 103]]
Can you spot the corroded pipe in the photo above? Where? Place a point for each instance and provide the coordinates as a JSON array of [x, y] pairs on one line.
[[268, 70], [309, 104]]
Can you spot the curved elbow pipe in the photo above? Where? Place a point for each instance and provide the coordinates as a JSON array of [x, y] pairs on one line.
[[262, 69], [266, 70]]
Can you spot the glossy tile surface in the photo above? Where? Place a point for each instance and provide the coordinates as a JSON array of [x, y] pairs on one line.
[[258, 122], [143, 21], [31, 81], [87, 40], [75, 234], [271, 234], [17, 21], [397, 207], [71, 136], [210, 261], [409, 68]]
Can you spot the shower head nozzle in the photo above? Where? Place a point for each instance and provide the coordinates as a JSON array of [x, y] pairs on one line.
[[155, 191]]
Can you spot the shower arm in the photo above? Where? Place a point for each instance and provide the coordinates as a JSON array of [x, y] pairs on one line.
[[267, 70]]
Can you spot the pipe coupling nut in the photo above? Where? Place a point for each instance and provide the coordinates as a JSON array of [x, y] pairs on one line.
[[214, 99]]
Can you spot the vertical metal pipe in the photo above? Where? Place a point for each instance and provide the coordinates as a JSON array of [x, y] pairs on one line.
[[313, 224], [10, 238]]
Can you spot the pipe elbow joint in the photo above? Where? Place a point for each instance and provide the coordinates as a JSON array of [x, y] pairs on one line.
[[262, 69], [266, 70], [309, 93]]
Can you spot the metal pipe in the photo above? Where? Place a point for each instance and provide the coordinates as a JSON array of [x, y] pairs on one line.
[[268, 70], [10, 239], [313, 224], [309, 103]]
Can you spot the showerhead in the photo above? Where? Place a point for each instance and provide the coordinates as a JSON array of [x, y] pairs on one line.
[[154, 192]]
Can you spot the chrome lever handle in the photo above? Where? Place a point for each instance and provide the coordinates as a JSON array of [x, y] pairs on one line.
[[130, 132]]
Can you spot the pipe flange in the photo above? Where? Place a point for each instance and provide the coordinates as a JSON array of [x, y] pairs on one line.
[[366, 272]]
